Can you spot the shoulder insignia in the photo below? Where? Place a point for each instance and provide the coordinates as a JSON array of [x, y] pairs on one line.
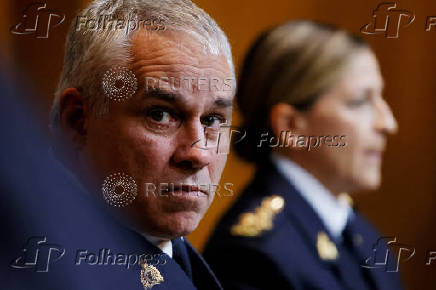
[[252, 224], [150, 276], [326, 248]]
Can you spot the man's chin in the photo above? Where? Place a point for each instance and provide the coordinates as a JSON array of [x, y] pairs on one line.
[[176, 224], [184, 223]]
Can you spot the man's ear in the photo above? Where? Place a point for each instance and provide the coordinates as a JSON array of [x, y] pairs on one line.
[[73, 113], [285, 118]]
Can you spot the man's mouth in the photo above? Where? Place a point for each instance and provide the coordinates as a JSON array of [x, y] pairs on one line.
[[187, 190]]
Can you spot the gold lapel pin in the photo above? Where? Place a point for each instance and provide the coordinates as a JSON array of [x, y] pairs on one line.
[[326, 248], [150, 276]]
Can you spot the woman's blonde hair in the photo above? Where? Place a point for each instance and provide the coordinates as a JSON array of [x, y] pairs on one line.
[[294, 63]]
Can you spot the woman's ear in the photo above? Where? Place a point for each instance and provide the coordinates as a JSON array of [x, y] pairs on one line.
[[73, 113], [285, 118]]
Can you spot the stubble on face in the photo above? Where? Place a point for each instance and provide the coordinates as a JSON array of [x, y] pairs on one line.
[[151, 135]]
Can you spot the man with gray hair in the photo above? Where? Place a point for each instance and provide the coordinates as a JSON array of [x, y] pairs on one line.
[[144, 96]]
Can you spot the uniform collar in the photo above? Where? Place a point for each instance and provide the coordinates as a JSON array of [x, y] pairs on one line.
[[166, 246], [332, 212]]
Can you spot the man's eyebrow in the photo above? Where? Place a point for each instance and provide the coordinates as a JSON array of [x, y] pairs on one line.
[[162, 95], [174, 98], [223, 103]]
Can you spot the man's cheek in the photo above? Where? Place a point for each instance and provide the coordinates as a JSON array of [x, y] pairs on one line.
[[216, 168], [155, 150]]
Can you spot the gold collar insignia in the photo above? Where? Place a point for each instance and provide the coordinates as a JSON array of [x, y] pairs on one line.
[[254, 223], [326, 248]]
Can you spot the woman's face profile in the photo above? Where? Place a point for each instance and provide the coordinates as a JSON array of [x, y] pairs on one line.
[[353, 108]]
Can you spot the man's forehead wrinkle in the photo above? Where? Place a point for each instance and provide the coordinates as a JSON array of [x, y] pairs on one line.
[[165, 46], [157, 53], [179, 69], [175, 56], [171, 52], [158, 71]]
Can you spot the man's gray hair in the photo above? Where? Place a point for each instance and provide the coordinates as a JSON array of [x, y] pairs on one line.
[[89, 53]]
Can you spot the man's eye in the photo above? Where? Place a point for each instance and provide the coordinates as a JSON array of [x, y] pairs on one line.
[[160, 119], [213, 121], [161, 116]]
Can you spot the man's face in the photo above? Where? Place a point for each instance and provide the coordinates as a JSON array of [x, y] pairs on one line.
[[158, 135]]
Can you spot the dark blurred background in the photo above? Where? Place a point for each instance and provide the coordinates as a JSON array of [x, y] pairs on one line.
[[405, 204]]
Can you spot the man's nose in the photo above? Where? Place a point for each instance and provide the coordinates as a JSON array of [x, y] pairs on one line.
[[192, 152], [385, 120]]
